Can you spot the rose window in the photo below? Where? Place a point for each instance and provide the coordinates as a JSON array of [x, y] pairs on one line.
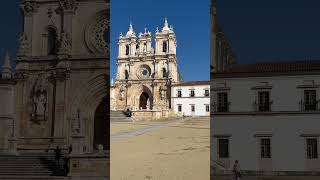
[[97, 35]]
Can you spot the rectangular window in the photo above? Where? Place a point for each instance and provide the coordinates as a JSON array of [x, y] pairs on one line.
[[192, 108], [265, 148], [223, 105], [312, 148], [310, 101], [264, 101], [179, 107], [223, 148], [207, 108], [191, 93], [179, 93], [206, 93]]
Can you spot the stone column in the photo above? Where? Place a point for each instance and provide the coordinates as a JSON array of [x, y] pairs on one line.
[[78, 139], [28, 9], [8, 143], [59, 79], [68, 9]]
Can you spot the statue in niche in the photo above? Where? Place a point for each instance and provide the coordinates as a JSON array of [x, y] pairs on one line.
[[39, 97], [144, 47], [162, 93], [122, 93], [65, 45], [76, 123]]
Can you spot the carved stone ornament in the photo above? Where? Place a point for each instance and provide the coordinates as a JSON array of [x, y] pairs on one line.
[[122, 93], [68, 5], [163, 91], [144, 72], [65, 46], [97, 34], [39, 98], [76, 124], [29, 7], [24, 47]]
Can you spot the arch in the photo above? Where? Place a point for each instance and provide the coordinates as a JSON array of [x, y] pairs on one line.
[[144, 100], [146, 92], [126, 74], [101, 125], [127, 50], [164, 72], [87, 99], [52, 40], [164, 46]]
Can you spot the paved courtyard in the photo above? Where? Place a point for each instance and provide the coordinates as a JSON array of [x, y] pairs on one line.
[[166, 150]]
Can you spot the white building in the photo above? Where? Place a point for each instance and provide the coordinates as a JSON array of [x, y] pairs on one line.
[[191, 98], [267, 117]]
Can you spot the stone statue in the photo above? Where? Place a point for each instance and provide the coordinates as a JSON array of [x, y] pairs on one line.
[[144, 48], [148, 104], [39, 100], [122, 93], [76, 123], [162, 93], [65, 45]]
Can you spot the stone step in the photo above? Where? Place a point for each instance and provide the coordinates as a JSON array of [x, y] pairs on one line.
[[28, 165], [21, 177]]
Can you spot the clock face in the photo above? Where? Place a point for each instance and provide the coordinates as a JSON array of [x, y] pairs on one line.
[[144, 72], [97, 33]]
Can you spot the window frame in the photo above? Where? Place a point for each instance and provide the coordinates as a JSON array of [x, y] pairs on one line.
[[179, 93], [265, 149], [225, 102], [179, 107], [314, 155], [193, 108], [221, 154], [192, 93]]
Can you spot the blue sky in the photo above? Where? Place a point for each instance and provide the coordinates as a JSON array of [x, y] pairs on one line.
[[273, 30], [11, 27], [191, 23]]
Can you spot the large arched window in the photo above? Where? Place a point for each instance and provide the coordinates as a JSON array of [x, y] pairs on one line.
[[126, 74], [127, 50], [164, 73], [164, 46], [52, 41]]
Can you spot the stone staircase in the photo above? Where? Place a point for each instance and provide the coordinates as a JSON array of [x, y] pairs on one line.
[[30, 167], [119, 116]]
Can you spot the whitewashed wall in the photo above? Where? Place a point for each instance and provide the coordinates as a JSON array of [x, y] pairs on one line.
[[199, 100], [286, 123]]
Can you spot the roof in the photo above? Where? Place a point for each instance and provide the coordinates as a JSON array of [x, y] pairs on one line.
[[273, 68], [192, 83]]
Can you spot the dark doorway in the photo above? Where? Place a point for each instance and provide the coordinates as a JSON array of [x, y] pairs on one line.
[[102, 126], [144, 98]]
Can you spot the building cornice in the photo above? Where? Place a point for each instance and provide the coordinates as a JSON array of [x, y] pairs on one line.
[[273, 113]]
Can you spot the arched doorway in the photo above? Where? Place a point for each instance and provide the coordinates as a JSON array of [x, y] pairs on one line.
[[144, 98], [102, 125]]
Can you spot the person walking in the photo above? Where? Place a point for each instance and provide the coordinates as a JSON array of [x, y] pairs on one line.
[[57, 154], [237, 170]]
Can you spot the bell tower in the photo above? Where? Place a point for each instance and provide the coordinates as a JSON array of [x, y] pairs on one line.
[[144, 73]]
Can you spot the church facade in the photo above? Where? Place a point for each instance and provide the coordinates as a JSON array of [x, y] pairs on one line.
[[59, 85], [145, 73]]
